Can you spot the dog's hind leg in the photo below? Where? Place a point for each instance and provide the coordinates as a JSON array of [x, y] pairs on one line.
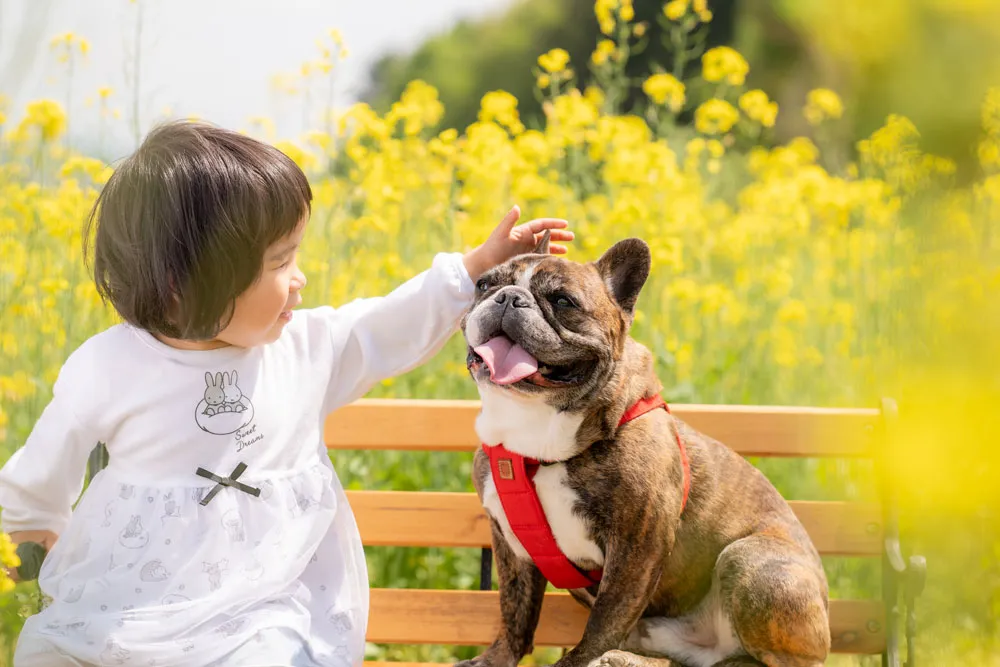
[[626, 659], [775, 595]]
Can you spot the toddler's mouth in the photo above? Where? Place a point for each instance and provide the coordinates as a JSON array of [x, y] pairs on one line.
[[287, 314]]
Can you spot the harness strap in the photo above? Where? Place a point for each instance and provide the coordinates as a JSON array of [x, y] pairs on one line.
[[513, 477]]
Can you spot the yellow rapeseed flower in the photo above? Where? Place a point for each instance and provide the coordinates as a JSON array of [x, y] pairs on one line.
[[418, 107], [991, 113], [605, 50], [594, 95], [627, 11], [8, 558], [543, 81], [45, 115], [604, 11], [571, 116], [822, 104], [304, 159], [724, 64], [501, 107], [793, 311], [554, 61], [665, 89], [756, 106], [715, 116], [59, 40], [989, 152], [17, 386], [675, 9]]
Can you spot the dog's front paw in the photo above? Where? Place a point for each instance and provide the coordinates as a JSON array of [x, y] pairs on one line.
[[617, 658], [486, 660]]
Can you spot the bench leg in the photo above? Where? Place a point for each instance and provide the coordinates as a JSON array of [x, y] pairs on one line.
[[899, 577], [916, 577], [486, 569]]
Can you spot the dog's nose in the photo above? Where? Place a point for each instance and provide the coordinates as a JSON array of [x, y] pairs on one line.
[[512, 295]]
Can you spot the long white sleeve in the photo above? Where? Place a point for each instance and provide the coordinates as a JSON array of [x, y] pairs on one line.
[[41, 480], [386, 336]]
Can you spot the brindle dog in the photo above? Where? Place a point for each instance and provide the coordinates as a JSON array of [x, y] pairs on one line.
[[733, 580]]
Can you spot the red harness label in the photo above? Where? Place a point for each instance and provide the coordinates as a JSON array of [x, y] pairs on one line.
[[513, 477]]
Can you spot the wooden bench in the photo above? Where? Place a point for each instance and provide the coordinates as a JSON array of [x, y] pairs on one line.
[[472, 617]]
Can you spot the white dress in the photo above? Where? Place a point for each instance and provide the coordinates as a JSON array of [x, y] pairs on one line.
[[145, 572]]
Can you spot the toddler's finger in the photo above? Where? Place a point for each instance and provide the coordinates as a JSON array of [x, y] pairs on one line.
[[541, 224], [557, 249], [512, 216]]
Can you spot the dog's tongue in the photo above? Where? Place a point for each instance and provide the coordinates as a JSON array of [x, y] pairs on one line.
[[508, 363]]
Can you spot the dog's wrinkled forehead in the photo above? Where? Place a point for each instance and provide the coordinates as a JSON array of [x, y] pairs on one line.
[[545, 274]]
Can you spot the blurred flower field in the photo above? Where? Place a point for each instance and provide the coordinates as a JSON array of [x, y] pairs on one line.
[[780, 275]]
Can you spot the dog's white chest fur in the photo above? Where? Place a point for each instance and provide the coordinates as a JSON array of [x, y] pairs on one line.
[[533, 429]]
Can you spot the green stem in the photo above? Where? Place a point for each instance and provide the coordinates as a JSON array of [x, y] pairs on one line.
[[678, 37]]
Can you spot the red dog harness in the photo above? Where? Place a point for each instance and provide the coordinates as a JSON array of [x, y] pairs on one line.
[[513, 476]]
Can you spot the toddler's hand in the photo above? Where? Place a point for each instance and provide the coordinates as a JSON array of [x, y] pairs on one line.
[[508, 241]]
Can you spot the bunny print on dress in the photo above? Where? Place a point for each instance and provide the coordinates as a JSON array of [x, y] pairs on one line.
[[224, 409], [215, 395]]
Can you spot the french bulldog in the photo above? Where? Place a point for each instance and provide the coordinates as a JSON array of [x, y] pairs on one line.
[[728, 578]]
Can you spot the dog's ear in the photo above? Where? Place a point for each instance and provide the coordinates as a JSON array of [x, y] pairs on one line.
[[542, 247], [624, 268]]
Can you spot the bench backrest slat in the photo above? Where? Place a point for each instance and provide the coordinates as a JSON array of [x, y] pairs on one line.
[[432, 519], [447, 425]]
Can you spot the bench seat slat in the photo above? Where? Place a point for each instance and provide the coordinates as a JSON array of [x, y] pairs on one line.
[[472, 618], [448, 425], [435, 519]]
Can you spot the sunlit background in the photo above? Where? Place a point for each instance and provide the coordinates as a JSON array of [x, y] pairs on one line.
[[819, 182]]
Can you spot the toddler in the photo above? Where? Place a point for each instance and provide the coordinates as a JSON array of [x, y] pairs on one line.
[[218, 534]]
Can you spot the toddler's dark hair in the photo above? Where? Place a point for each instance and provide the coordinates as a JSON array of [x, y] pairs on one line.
[[181, 227]]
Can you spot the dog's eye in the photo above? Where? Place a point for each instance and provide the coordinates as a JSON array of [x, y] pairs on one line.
[[483, 285], [563, 301]]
